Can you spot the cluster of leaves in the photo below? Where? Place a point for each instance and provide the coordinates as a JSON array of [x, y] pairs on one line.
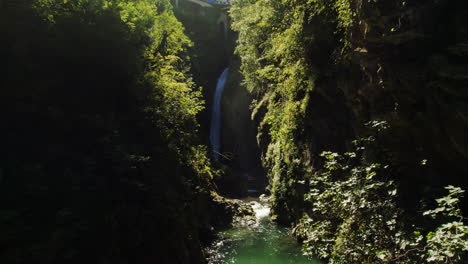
[[100, 160], [450, 240], [354, 217], [170, 93], [276, 39]]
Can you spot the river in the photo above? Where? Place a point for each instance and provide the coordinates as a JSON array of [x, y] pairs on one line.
[[262, 243]]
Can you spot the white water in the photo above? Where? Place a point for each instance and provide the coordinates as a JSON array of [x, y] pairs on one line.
[[215, 130], [261, 211]]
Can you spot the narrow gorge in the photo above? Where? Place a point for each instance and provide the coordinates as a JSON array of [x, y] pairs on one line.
[[233, 131]]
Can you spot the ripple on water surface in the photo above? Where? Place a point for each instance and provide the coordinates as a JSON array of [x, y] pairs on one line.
[[264, 243]]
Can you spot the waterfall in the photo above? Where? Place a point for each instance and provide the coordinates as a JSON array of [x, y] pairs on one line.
[[215, 131], [261, 211]]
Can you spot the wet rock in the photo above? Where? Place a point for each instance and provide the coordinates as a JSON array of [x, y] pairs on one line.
[[264, 198], [232, 212]]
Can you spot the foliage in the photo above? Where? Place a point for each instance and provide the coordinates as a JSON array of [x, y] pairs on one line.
[[318, 68], [268, 43], [280, 45], [354, 217], [450, 240], [101, 161]]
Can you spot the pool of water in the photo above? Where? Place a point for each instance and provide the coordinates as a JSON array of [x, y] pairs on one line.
[[262, 243]]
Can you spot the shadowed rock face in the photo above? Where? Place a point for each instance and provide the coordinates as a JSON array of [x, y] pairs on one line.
[[213, 43], [212, 52], [412, 75], [239, 139]]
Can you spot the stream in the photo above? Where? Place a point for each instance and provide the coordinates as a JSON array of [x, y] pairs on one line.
[[263, 243]]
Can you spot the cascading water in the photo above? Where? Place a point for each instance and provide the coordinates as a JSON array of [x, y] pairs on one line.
[[261, 211], [215, 130]]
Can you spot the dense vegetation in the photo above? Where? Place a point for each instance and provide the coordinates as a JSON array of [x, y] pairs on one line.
[[360, 106], [389, 76], [100, 160]]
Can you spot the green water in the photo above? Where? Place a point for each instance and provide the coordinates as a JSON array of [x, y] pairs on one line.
[[265, 242]]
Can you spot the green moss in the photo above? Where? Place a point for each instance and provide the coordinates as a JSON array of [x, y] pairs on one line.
[[319, 70]]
